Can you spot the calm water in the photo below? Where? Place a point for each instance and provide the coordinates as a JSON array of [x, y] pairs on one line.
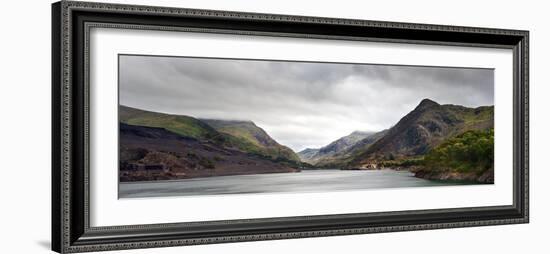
[[305, 181]]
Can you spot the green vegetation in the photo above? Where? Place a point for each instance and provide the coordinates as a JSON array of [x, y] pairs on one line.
[[182, 125], [421, 131], [479, 116], [471, 151], [242, 135], [243, 144], [403, 163], [248, 137], [242, 131], [472, 119]]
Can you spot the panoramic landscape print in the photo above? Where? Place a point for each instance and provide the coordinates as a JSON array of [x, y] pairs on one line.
[[211, 126]]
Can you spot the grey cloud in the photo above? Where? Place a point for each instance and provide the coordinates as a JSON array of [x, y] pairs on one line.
[[299, 104]]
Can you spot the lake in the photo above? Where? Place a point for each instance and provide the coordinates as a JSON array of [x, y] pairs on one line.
[[324, 180]]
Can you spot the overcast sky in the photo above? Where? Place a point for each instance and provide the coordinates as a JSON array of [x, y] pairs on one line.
[[301, 105]]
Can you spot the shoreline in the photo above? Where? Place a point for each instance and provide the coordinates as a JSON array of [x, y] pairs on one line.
[[330, 180], [486, 177], [206, 176], [447, 176]]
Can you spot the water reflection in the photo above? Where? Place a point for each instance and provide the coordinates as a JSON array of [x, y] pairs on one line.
[[305, 181]]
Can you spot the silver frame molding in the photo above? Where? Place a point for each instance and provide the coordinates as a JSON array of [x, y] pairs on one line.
[[71, 23]]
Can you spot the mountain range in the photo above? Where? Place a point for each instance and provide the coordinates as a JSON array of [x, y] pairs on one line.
[[177, 157], [192, 147], [251, 138], [341, 146], [421, 130], [339, 152], [241, 135], [425, 127]]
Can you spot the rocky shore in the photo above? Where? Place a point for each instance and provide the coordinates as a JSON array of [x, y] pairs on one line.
[[150, 153], [486, 177]]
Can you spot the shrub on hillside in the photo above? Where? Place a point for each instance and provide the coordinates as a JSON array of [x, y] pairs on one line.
[[471, 151]]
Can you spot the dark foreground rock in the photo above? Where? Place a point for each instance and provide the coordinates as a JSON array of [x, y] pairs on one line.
[[148, 154], [487, 176]]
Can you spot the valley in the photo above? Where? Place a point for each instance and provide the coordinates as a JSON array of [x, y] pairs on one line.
[[433, 141], [419, 143]]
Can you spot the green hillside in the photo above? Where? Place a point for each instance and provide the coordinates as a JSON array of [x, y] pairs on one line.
[[472, 151], [249, 137], [427, 126], [183, 125], [242, 135]]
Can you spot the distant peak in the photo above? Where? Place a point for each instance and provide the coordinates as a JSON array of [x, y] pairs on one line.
[[360, 133], [228, 121], [308, 150], [425, 103]]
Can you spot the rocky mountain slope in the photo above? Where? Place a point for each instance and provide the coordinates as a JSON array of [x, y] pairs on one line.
[[253, 137], [338, 153], [241, 135], [312, 156], [342, 159], [424, 141], [307, 155], [424, 128], [179, 157]]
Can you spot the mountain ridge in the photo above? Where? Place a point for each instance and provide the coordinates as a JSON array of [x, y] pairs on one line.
[[340, 157], [316, 155], [416, 133], [421, 141], [179, 157], [422, 129], [248, 131], [242, 135]]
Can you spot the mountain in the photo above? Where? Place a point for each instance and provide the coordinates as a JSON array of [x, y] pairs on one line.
[[241, 135], [344, 143], [179, 157], [308, 154], [428, 131], [183, 125], [424, 128], [365, 142], [337, 153], [313, 156], [254, 138]]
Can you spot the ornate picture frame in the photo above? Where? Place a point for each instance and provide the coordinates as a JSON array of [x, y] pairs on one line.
[[71, 202]]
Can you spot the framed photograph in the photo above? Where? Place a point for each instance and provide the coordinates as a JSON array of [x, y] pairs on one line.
[[182, 126]]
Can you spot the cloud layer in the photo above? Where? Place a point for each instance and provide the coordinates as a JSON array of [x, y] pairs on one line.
[[299, 104]]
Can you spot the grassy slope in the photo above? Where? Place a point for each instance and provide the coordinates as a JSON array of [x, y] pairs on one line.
[[244, 136], [423, 129], [183, 125], [464, 118], [253, 138], [185, 157]]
